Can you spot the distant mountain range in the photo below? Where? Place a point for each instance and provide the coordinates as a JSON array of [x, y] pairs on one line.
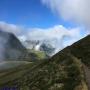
[[40, 45], [12, 49]]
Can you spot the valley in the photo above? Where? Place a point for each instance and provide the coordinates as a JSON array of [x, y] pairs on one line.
[[66, 70]]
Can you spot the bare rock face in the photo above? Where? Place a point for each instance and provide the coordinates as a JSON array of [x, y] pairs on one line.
[[10, 47]]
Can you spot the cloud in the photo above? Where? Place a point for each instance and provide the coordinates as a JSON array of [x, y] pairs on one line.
[[58, 36], [75, 10], [10, 28]]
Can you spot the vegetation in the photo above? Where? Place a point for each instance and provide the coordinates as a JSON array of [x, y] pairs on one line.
[[38, 54], [56, 74], [63, 71]]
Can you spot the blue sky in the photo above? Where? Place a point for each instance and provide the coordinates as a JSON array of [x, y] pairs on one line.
[[29, 13], [62, 22]]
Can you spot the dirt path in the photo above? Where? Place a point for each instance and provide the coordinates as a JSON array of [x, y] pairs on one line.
[[87, 74]]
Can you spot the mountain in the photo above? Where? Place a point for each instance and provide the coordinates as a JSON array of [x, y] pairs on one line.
[[40, 45], [47, 48], [66, 70], [10, 47], [81, 50], [31, 44], [37, 55]]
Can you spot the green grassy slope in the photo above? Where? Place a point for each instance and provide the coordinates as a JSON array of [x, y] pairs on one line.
[[37, 55], [64, 71], [81, 49], [13, 70]]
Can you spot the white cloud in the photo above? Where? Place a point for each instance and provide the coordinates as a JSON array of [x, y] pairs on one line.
[[10, 28], [55, 35], [58, 35], [76, 10]]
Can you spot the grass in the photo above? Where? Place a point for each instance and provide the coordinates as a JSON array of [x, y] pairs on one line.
[[64, 71], [55, 74], [14, 71], [39, 54]]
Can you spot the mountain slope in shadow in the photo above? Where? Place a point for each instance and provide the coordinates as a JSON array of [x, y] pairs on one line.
[[63, 71], [10, 47]]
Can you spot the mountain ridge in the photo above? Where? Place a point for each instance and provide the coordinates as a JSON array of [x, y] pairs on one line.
[[63, 71], [10, 46]]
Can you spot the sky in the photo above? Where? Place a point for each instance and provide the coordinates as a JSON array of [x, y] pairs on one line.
[[60, 21], [29, 13]]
